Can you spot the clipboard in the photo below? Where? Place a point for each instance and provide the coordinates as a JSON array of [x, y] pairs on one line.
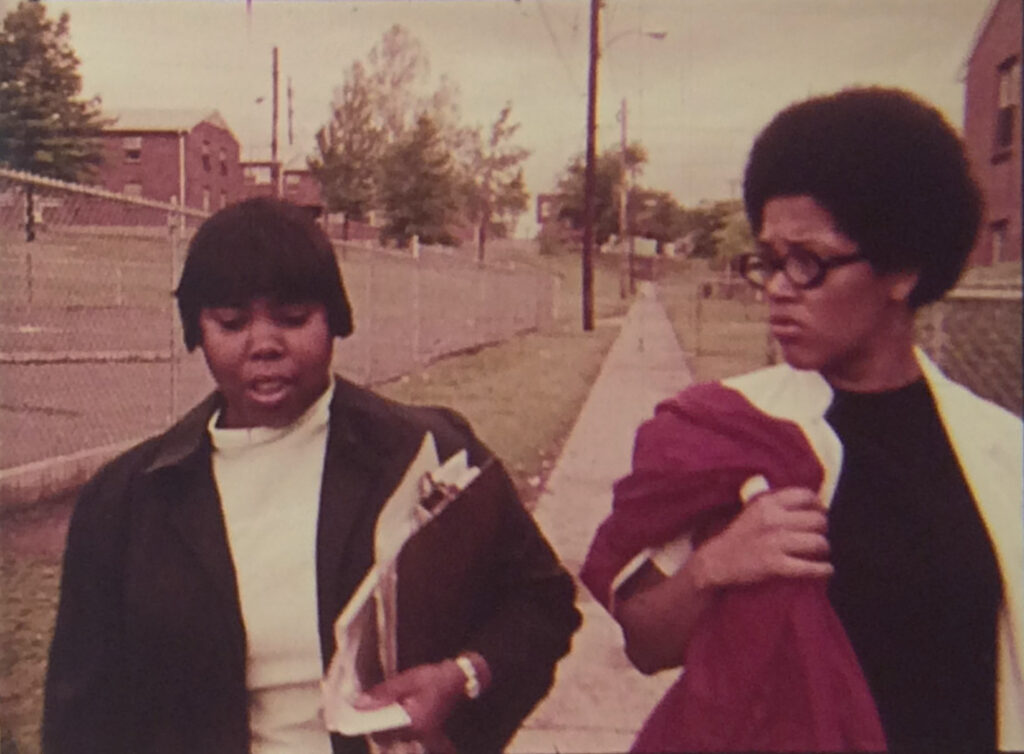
[[366, 631]]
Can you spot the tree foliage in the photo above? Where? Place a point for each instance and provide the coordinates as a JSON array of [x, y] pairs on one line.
[[733, 236], [703, 223], [386, 122], [494, 189], [418, 187], [349, 149], [45, 126], [398, 68], [609, 174], [661, 218]]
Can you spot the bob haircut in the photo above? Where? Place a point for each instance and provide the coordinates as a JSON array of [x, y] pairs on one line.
[[260, 247], [889, 169]]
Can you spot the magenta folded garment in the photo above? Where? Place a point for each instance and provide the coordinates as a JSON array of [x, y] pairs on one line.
[[769, 667]]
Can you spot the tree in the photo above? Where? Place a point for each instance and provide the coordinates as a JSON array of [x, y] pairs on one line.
[[733, 237], [418, 187], [349, 149], [495, 190], [663, 220], [45, 127], [397, 67], [702, 222], [610, 172], [378, 130]]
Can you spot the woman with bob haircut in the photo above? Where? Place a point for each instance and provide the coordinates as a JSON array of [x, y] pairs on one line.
[[832, 547], [205, 568]]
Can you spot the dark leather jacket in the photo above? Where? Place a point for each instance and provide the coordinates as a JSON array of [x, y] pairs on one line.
[[149, 650]]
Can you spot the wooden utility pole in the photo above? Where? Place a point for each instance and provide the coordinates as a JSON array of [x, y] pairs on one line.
[[589, 176], [275, 167], [291, 114], [627, 182]]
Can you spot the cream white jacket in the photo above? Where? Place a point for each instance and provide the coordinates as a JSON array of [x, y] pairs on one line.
[[987, 441]]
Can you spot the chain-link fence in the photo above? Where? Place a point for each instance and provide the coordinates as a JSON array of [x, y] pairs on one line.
[[974, 334], [91, 356]]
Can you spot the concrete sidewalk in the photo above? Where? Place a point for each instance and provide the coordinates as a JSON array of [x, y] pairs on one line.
[[599, 701]]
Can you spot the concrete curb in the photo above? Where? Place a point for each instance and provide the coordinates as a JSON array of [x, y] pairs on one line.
[[23, 485]]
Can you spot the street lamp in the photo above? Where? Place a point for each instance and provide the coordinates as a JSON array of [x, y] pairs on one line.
[[589, 174]]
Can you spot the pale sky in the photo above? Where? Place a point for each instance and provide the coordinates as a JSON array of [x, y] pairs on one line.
[[696, 98]]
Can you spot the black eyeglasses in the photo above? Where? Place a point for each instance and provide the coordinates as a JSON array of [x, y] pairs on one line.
[[803, 268]]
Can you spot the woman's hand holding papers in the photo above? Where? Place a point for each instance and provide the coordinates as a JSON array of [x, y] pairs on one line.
[[429, 694]]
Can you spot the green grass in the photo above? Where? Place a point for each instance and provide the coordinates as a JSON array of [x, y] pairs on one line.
[[721, 336], [522, 397], [29, 581]]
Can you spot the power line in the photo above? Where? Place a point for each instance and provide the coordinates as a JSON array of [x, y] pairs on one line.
[[558, 48]]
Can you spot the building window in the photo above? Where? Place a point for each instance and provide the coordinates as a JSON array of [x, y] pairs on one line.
[[205, 152], [223, 162], [223, 199], [206, 198], [132, 146], [998, 242], [291, 179], [1009, 106], [258, 175], [132, 189]]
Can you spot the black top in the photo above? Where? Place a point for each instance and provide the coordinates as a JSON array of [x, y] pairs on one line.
[[916, 582]]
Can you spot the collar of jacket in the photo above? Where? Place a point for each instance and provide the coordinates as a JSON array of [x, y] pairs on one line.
[[356, 420]]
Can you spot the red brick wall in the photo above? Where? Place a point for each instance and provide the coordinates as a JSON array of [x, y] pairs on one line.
[[156, 170], [199, 177], [1000, 177], [302, 187]]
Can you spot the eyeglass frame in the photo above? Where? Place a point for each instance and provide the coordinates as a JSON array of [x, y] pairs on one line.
[[778, 264]]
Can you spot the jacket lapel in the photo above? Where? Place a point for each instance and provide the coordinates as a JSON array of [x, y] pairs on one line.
[[196, 516], [368, 449], [182, 478]]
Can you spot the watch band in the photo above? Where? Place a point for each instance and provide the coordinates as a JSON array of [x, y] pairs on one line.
[[472, 687]]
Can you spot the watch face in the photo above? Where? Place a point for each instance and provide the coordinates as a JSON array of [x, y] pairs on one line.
[[472, 688]]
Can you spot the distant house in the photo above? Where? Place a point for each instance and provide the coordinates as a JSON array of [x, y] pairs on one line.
[[259, 178], [187, 157], [992, 129], [293, 181], [547, 208]]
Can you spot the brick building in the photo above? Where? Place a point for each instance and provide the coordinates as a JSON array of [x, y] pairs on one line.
[[292, 180], [992, 129], [182, 156]]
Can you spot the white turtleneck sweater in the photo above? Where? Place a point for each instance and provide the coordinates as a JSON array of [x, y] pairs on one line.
[[269, 484]]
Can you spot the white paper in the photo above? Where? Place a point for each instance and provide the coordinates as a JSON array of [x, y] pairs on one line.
[[395, 524], [376, 596]]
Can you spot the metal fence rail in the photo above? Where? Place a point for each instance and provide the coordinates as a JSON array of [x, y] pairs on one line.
[[91, 355]]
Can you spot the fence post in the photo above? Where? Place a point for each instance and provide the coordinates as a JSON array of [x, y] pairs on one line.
[[696, 319], [480, 324], [369, 317], [172, 340], [417, 319], [28, 275]]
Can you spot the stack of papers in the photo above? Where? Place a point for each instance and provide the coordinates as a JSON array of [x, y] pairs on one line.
[[426, 488]]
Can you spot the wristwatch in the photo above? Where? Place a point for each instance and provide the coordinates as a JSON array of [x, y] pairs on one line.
[[472, 687]]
